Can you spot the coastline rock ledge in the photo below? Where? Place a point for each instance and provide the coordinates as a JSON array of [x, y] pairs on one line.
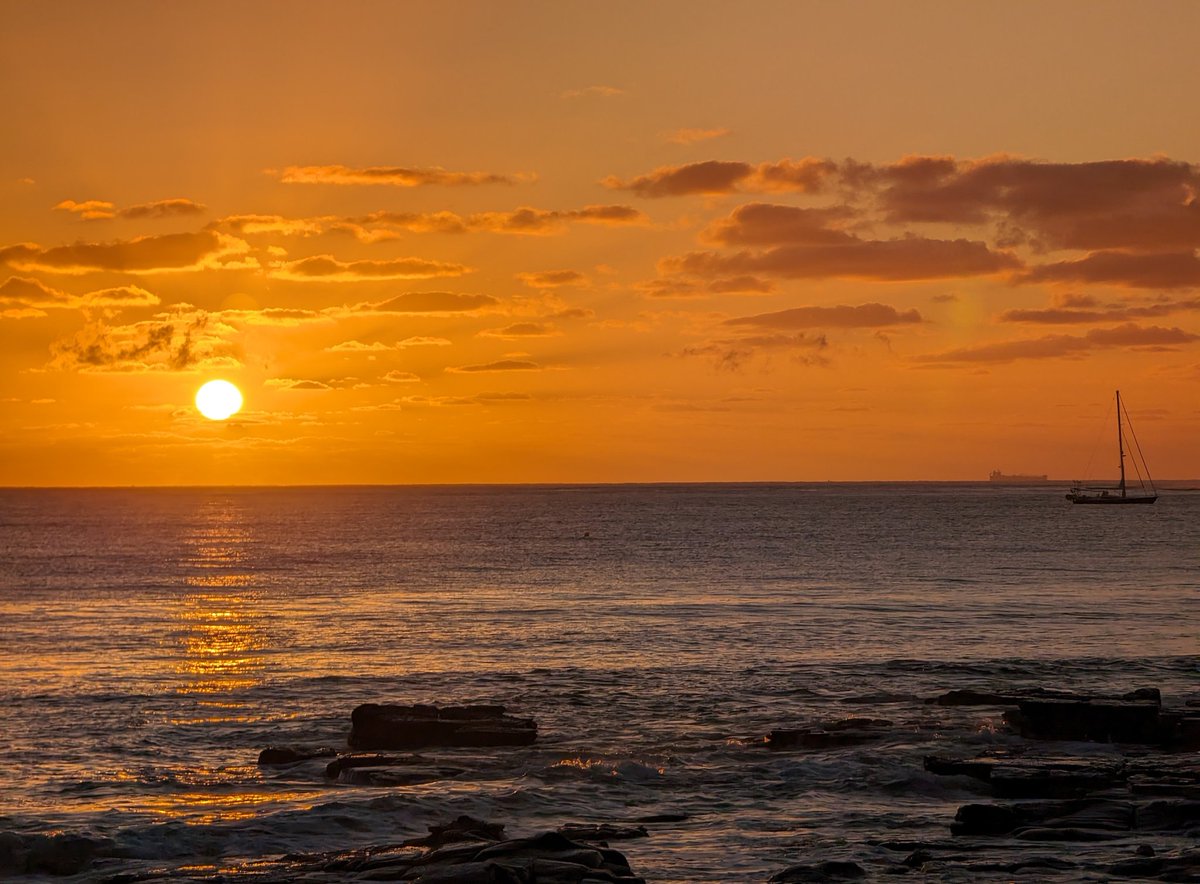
[[376, 726]]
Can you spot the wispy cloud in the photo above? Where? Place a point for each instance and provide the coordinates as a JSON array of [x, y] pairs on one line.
[[693, 136], [394, 176], [145, 254], [498, 365], [841, 316], [548, 279], [1058, 346], [326, 268]]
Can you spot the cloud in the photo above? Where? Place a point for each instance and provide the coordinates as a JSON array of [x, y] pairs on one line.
[[806, 175], [1056, 346], [708, 177], [360, 347], [1128, 203], [592, 91], [1167, 270], [171, 208], [428, 302], [183, 340], [145, 254], [498, 365], [741, 285], [732, 354], [88, 210], [528, 220], [1088, 311], [841, 316], [548, 279], [910, 258], [326, 268], [679, 288], [18, 292], [693, 136], [945, 298], [423, 341], [288, 317], [759, 224], [395, 176], [520, 330], [400, 377]]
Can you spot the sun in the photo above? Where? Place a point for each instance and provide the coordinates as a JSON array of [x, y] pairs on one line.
[[218, 400]]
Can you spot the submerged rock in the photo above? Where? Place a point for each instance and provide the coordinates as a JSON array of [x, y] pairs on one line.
[[293, 754], [830, 870], [830, 735], [602, 832], [375, 726]]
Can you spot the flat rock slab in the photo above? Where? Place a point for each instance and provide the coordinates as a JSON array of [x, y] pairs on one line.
[[293, 754], [375, 726], [830, 735]]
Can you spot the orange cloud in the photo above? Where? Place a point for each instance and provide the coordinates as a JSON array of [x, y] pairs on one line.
[[171, 208], [19, 292], [174, 341], [757, 224], [395, 176], [693, 136], [145, 254], [1085, 310], [910, 258], [1056, 346], [548, 279], [498, 365], [520, 330], [841, 316], [806, 175], [326, 268], [428, 302], [88, 210]]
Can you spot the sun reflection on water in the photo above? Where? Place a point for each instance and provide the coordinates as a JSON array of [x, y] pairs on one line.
[[223, 640]]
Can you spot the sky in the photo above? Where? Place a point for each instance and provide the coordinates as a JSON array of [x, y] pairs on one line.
[[597, 242]]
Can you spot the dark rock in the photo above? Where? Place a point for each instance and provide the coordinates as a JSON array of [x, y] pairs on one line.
[[1064, 833], [292, 754], [978, 768], [396, 776], [465, 828], [1034, 862], [1182, 866], [1061, 780], [662, 818], [1103, 721], [406, 727], [967, 697], [1175, 815], [986, 819], [830, 870], [830, 735], [602, 832], [345, 762], [1152, 695], [59, 854], [1144, 850], [917, 858]]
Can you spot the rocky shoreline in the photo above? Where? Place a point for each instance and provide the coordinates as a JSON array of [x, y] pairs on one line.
[[1081, 787]]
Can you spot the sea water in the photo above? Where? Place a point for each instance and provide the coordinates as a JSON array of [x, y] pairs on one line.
[[152, 641]]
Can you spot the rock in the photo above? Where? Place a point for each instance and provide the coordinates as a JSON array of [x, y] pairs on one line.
[[967, 697], [292, 754], [1173, 815], [465, 828], [1144, 850], [405, 727], [602, 832], [830, 735], [59, 854], [830, 870], [1061, 780], [345, 762], [662, 818], [1064, 833], [1102, 721], [396, 776], [986, 819], [978, 768], [917, 858], [1182, 866]]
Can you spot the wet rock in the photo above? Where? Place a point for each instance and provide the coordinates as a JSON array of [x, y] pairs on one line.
[[396, 776], [292, 754], [662, 818], [977, 768], [967, 697], [1181, 866], [375, 726], [830, 870], [602, 832], [346, 762], [464, 828], [830, 735], [1144, 850], [1101, 721], [1062, 780], [59, 854], [1169, 816]]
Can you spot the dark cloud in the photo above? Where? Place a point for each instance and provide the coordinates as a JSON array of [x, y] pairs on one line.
[[30, 293], [396, 176], [171, 208], [841, 316], [499, 365], [733, 354], [167, 343], [1163, 270], [708, 177], [910, 258], [520, 330], [145, 254], [764, 224], [548, 279], [1056, 346], [1091, 312]]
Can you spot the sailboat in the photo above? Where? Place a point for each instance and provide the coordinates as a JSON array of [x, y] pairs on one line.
[[1122, 493]]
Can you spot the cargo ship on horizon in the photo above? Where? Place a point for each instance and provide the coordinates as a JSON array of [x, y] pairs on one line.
[[999, 478]]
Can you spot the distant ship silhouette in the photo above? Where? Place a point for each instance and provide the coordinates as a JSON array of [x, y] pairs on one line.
[[1000, 478]]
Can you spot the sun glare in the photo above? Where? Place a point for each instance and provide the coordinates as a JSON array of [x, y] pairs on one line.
[[218, 400]]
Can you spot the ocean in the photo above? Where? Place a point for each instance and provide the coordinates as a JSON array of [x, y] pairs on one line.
[[153, 641]]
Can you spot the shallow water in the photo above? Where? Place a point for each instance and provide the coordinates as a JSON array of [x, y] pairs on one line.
[[155, 640]]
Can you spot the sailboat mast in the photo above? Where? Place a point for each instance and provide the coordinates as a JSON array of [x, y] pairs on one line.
[[1120, 443]]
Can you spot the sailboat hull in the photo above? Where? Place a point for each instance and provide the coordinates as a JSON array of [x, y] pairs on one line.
[[1112, 499]]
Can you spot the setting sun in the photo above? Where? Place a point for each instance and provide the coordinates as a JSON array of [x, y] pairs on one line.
[[218, 400]]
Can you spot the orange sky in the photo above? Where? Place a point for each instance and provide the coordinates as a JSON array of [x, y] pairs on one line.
[[596, 242]]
